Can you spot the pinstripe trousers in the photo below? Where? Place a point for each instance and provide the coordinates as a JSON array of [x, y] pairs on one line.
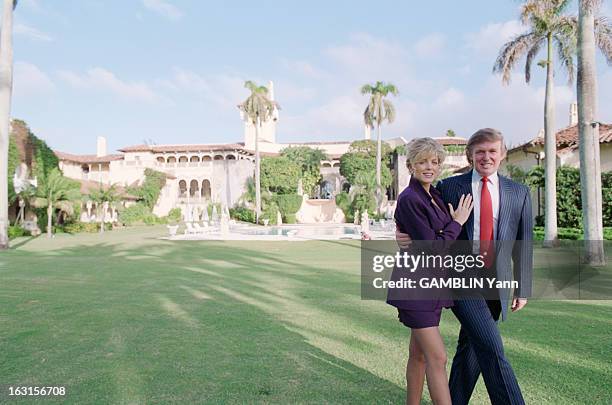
[[480, 349]]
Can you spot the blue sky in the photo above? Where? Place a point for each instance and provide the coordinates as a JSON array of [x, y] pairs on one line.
[[173, 71]]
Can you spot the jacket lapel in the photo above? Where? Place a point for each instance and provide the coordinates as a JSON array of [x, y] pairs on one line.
[[465, 187], [504, 210]]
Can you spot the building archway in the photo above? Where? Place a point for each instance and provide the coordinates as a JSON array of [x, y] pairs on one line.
[[171, 159], [183, 159], [182, 188], [205, 191], [193, 188], [206, 158], [194, 159], [219, 157], [161, 159]]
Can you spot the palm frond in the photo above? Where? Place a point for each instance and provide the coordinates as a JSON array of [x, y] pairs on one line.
[[603, 37], [511, 52], [389, 111], [533, 52], [39, 202], [589, 5], [366, 89], [566, 49]]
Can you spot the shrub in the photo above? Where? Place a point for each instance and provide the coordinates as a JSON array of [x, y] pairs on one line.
[[569, 199], [289, 219], [568, 233], [242, 214], [89, 227], [288, 203], [137, 213], [279, 175], [343, 201], [15, 231], [270, 212], [175, 215]]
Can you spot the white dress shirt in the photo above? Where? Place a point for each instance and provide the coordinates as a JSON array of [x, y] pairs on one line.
[[493, 187]]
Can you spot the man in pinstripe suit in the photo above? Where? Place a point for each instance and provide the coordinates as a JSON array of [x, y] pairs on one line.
[[502, 212]]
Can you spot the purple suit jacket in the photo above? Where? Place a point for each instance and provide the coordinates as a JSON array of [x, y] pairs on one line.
[[416, 215]]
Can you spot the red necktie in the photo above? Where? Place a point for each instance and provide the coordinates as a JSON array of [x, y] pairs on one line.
[[486, 223]]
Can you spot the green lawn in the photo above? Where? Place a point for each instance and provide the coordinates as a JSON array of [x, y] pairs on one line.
[[127, 318]]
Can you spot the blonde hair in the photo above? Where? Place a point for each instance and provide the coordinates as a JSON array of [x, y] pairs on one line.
[[420, 147], [484, 135]]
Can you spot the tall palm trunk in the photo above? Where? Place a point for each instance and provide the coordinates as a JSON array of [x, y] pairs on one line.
[[6, 87], [257, 173], [378, 169], [49, 219], [590, 169], [550, 148]]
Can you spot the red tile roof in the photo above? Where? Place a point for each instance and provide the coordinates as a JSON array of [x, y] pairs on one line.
[[569, 136], [183, 148], [448, 140], [87, 158]]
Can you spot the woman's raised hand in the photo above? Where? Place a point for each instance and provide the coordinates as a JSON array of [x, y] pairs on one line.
[[462, 213]]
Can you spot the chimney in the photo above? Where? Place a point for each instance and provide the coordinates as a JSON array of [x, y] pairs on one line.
[[573, 115], [101, 147], [271, 90]]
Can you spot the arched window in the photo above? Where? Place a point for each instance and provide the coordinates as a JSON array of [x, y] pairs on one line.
[[231, 157], [183, 159], [171, 159], [182, 188], [194, 159], [193, 188], [326, 164], [337, 164], [161, 159], [206, 158], [205, 192], [218, 157]]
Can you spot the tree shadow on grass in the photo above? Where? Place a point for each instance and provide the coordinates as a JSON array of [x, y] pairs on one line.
[[244, 322], [131, 333]]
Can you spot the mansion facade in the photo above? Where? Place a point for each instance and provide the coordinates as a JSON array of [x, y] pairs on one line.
[[199, 174]]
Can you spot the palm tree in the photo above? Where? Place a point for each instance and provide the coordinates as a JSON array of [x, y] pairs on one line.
[[258, 108], [590, 30], [56, 192], [6, 89], [102, 197], [379, 109], [548, 25]]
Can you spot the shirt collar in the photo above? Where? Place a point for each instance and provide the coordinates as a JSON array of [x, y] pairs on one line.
[[476, 178]]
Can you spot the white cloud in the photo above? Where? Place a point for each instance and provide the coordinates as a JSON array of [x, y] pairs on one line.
[[101, 79], [164, 9], [31, 32], [223, 90], [451, 98], [366, 58], [431, 45], [29, 80], [304, 68], [492, 36]]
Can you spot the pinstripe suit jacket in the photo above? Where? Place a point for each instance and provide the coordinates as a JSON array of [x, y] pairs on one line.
[[514, 253]]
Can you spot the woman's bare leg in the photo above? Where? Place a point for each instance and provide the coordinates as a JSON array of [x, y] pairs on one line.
[[431, 344], [415, 373]]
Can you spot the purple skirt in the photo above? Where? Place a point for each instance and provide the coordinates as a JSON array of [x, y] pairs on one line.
[[419, 319]]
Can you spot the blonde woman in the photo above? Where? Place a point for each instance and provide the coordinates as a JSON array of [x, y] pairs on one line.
[[422, 214]]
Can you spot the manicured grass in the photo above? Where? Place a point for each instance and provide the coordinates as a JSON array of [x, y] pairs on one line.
[[127, 318]]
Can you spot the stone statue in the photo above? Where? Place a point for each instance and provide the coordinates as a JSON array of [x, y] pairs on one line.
[[365, 222]]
